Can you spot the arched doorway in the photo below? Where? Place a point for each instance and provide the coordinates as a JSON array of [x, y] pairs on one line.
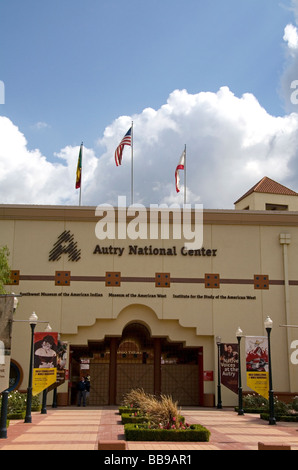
[[138, 360], [135, 360]]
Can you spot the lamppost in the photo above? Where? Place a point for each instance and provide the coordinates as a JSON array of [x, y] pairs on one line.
[[239, 334], [33, 321], [219, 403], [45, 392], [268, 325]]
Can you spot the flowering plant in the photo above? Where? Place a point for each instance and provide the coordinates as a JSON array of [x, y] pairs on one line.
[[17, 402]]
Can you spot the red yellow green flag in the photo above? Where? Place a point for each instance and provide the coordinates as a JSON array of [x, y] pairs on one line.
[[79, 169]]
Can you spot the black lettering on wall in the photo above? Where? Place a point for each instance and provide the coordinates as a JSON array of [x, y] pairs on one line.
[[65, 245]]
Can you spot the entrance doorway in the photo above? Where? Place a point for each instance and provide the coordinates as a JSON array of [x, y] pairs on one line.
[[138, 360]]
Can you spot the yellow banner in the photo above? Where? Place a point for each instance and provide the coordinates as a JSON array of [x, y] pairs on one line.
[[259, 382], [256, 348], [42, 379]]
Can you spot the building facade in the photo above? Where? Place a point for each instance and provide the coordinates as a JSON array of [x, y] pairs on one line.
[[145, 312]]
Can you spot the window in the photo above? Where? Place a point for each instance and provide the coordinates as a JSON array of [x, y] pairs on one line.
[[277, 207]]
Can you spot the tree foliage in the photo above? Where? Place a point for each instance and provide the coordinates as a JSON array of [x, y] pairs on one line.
[[4, 269]]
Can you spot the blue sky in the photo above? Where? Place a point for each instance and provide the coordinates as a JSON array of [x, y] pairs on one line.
[[73, 69]]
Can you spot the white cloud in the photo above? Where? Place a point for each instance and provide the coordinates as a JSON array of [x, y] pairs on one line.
[[40, 125], [231, 143], [290, 73], [27, 177]]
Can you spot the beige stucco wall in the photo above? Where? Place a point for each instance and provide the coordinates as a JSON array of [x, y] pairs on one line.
[[247, 244], [257, 201]]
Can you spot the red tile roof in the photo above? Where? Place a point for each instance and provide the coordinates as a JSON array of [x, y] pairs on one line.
[[267, 185]]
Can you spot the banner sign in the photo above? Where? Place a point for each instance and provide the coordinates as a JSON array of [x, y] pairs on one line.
[[256, 348], [229, 366], [45, 361], [62, 364], [6, 316]]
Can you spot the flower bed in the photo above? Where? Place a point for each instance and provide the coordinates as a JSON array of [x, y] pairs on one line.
[[16, 406], [151, 418], [143, 432], [253, 403]]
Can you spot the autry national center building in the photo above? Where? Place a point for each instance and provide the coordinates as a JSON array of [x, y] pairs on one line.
[[146, 313]]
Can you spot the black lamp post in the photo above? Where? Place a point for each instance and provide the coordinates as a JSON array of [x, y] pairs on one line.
[[33, 321], [239, 334], [219, 402], [272, 420], [3, 419]]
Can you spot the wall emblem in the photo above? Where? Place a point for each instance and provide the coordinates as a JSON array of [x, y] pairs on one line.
[[65, 245]]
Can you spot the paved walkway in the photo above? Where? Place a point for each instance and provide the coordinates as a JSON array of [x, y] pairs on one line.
[[82, 428]]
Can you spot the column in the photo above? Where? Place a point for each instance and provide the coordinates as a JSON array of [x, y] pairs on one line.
[[285, 240], [113, 371], [157, 366]]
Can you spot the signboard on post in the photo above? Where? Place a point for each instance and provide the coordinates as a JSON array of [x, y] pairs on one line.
[[6, 316], [45, 361], [62, 364], [256, 348], [229, 366]]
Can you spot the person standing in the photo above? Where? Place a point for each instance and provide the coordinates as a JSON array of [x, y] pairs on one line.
[[82, 389]]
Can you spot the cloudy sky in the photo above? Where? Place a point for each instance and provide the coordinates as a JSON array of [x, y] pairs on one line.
[[218, 77]]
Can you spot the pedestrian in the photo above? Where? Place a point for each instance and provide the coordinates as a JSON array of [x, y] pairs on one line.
[[82, 389], [87, 381]]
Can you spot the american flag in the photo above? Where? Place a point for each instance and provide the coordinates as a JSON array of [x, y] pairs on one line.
[[119, 150]]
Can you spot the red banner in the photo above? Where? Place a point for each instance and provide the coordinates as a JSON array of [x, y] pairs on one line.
[[229, 366]]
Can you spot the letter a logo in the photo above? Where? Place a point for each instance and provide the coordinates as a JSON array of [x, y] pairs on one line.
[[65, 245]]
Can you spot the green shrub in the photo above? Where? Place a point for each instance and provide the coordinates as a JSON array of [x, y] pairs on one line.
[[289, 418], [280, 408], [294, 404], [255, 402], [16, 406], [128, 409], [142, 432], [133, 418], [16, 415]]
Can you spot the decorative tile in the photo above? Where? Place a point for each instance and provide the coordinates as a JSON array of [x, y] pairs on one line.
[[14, 278], [62, 278], [261, 281], [113, 279], [212, 281], [162, 280]]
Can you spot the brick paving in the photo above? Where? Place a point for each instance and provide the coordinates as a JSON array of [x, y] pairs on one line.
[[82, 428]]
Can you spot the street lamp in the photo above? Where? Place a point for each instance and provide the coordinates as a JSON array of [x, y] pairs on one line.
[[219, 403], [268, 325], [239, 334], [33, 321]]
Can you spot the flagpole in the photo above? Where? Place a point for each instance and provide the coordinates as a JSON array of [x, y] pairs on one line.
[[132, 199], [80, 200], [185, 174]]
